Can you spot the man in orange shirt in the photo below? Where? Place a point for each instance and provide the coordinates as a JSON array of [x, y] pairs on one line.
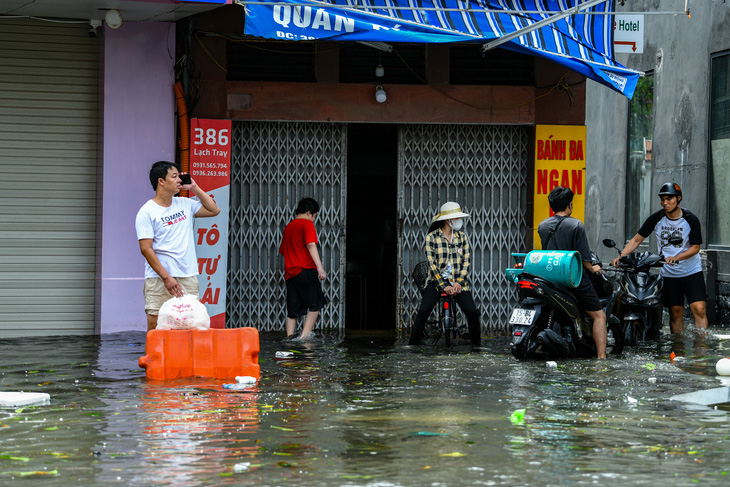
[[302, 269]]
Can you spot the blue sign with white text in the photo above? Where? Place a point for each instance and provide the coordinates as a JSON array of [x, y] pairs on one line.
[[582, 42]]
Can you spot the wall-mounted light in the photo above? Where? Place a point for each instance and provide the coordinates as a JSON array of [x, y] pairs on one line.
[[380, 95], [113, 18], [95, 24]]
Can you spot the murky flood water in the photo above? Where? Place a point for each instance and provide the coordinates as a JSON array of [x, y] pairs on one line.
[[364, 411]]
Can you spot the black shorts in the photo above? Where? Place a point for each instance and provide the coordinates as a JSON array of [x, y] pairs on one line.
[[587, 295], [676, 288], [304, 294]]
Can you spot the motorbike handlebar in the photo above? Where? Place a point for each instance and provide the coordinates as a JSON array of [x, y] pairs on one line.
[[627, 267]]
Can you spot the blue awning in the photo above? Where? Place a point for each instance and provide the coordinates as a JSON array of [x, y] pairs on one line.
[[582, 41]]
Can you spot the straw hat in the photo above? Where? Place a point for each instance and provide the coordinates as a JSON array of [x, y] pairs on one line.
[[449, 211]]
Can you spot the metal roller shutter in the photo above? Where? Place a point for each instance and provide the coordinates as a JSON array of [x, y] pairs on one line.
[[48, 150]]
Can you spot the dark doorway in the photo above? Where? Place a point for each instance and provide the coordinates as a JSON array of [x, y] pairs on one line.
[[372, 252]]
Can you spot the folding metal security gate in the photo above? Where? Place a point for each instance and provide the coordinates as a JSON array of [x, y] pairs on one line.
[[277, 163], [274, 165], [482, 167]]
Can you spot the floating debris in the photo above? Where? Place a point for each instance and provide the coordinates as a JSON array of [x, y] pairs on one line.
[[708, 397], [21, 399], [518, 416], [723, 366]]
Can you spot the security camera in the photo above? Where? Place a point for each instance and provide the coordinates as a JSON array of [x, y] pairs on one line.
[[95, 24]]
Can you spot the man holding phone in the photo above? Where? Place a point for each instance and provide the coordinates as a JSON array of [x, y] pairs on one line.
[[165, 232]]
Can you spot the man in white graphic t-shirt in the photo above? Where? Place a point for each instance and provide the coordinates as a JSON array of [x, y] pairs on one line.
[[683, 274], [165, 232]]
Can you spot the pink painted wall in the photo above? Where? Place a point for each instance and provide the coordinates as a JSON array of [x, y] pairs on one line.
[[137, 128]]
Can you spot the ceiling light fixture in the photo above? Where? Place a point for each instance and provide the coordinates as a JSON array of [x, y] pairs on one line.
[[380, 95], [113, 18], [380, 71]]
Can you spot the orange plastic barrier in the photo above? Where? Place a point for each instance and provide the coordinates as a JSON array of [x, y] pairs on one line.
[[218, 353]]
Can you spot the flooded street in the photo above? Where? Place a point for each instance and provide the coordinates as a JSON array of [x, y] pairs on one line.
[[364, 411]]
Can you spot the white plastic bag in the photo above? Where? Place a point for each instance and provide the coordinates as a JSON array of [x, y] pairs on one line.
[[185, 313]]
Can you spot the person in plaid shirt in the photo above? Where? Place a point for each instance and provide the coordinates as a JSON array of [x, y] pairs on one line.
[[447, 251]]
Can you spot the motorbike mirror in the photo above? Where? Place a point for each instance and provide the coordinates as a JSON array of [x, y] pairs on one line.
[[675, 240], [609, 243]]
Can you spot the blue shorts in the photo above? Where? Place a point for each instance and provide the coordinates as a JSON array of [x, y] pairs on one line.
[[677, 288]]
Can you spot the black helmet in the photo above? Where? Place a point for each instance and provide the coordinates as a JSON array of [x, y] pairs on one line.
[[670, 189]]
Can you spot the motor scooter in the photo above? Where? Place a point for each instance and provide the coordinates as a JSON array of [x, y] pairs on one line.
[[640, 309], [548, 323]]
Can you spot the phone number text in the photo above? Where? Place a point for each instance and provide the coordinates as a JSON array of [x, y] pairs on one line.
[[197, 172], [209, 165]]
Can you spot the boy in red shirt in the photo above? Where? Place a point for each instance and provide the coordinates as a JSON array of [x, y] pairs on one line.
[[302, 268]]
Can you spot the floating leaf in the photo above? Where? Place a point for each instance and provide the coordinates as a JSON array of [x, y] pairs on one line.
[[20, 459], [282, 428], [454, 454], [39, 472], [52, 428]]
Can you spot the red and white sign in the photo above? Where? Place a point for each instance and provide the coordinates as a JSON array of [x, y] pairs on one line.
[[210, 167]]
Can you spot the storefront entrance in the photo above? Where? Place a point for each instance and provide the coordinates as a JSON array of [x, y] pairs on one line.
[[372, 184], [379, 185]]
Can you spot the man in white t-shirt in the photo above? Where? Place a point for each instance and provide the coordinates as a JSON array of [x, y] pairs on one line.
[[683, 273], [165, 232]]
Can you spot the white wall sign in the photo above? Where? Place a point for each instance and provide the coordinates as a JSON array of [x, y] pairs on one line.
[[628, 34]]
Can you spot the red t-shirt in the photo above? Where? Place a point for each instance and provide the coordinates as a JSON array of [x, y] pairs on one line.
[[297, 235]]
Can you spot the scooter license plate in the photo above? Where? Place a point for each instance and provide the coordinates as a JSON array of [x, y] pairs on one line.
[[522, 316]]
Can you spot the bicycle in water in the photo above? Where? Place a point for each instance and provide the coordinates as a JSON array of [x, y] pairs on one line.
[[446, 324]]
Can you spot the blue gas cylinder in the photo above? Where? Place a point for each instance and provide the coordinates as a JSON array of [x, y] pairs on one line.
[[563, 267]]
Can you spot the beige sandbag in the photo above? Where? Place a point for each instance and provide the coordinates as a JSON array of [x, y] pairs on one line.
[[185, 313]]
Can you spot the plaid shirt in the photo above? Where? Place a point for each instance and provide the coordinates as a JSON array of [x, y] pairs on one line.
[[439, 251]]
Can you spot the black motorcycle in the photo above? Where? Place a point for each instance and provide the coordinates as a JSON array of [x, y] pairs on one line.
[[640, 309], [548, 324]]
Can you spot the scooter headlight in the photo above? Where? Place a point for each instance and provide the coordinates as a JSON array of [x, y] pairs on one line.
[[652, 302], [629, 299]]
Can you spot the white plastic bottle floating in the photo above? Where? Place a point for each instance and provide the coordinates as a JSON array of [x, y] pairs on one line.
[[284, 354], [237, 386]]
